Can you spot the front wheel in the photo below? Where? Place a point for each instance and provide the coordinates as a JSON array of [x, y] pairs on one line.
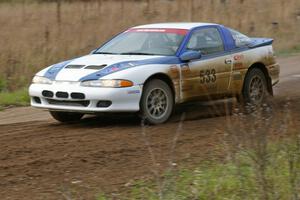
[[66, 116], [157, 102]]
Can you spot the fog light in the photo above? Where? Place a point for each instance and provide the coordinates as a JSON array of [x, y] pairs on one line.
[[37, 100], [103, 104]]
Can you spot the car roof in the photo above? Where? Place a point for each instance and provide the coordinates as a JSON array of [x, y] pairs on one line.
[[182, 25]]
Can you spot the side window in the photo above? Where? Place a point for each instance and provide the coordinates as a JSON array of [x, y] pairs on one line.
[[240, 39], [207, 40]]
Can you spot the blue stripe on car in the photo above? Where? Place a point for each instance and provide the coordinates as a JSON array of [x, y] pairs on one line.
[[52, 72], [229, 48], [129, 64], [259, 42], [228, 39], [225, 34]]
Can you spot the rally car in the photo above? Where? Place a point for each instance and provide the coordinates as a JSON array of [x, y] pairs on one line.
[[151, 68]]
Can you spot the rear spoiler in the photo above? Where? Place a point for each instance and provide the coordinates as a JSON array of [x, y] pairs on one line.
[[260, 42]]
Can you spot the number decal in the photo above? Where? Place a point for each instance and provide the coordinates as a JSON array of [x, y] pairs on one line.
[[202, 77], [214, 77], [208, 76]]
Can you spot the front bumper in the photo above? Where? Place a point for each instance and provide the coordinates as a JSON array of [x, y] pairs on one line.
[[121, 99]]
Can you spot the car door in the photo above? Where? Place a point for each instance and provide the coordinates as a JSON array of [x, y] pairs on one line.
[[209, 75]]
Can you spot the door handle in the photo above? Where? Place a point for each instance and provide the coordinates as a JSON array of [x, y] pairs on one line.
[[228, 61]]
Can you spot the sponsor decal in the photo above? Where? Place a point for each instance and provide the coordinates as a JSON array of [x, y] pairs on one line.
[[114, 68], [174, 71], [238, 57], [160, 30], [185, 68], [238, 65], [133, 92]]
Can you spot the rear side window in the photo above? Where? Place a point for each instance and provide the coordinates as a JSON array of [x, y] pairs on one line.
[[240, 39], [207, 40]]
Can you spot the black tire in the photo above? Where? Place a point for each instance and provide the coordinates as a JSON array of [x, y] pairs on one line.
[[66, 117], [157, 102], [255, 89]]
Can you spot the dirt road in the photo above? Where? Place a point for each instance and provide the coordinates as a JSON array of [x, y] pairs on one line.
[[42, 159]]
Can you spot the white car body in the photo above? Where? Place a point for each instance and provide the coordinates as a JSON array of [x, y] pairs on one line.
[[124, 99], [139, 68]]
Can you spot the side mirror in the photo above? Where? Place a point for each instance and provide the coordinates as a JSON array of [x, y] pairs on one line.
[[190, 55]]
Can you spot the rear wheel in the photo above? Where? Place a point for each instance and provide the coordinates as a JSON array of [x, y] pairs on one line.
[[66, 116], [157, 102], [255, 88]]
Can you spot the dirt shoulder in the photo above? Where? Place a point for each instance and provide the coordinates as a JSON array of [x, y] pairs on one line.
[[42, 159]]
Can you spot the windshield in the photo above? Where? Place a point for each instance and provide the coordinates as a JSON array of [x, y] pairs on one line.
[[145, 42]]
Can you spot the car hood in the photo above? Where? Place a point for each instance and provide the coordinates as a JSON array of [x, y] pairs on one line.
[[76, 69]]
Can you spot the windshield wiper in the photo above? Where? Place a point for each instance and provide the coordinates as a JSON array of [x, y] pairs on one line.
[[137, 53]]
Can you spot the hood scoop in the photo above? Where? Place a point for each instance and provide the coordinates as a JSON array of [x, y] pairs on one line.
[[74, 66], [96, 67]]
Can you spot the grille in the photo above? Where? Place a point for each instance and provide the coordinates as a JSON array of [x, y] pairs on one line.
[[68, 103], [47, 93], [62, 95], [76, 95]]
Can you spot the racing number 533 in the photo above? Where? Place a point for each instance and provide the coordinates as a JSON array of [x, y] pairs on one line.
[[208, 76]]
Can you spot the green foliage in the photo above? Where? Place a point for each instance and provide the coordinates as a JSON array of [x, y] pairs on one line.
[[236, 179], [290, 51], [50, 40], [3, 84], [18, 98], [40, 1], [101, 197]]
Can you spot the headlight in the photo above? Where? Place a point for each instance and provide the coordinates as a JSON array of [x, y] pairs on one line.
[[41, 80], [107, 83]]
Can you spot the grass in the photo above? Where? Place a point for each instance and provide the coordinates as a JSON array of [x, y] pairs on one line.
[[42, 41], [16, 98], [289, 52], [261, 161], [236, 179]]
